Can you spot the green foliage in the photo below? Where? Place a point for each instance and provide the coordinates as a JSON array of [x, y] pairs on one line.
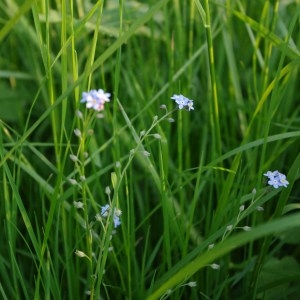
[[199, 220]]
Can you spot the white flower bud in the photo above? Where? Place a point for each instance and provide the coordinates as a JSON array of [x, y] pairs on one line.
[[118, 212], [246, 228], [107, 190], [77, 132], [146, 153], [229, 227], [79, 114], [192, 283], [211, 246], [80, 253], [215, 266], [74, 157], [78, 204], [72, 181]]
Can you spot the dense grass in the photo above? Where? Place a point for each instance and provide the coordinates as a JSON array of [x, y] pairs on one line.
[[199, 220]]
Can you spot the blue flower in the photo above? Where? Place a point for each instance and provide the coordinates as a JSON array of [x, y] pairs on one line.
[[117, 221], [116, 217], [183, 102], [95, 99], [282, 180], [276, 179], [105, 210]]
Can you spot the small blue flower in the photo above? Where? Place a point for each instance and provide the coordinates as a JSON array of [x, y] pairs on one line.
[[105, 210], [282, 180], [117, 221], [276, 179], [116, 217], [274, 182], [183, 102], [190, 105], [95, 99]]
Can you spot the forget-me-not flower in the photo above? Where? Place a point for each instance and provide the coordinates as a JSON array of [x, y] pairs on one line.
[[95, 99], [276, 179], [183, 102], [116, 216]]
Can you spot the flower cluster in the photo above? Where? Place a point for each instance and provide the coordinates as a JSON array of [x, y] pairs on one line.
[[183, 102], [116, 217], [95, 99], [276, 179]]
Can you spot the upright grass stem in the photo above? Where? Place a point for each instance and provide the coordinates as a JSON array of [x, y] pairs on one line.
[[214, 104]]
